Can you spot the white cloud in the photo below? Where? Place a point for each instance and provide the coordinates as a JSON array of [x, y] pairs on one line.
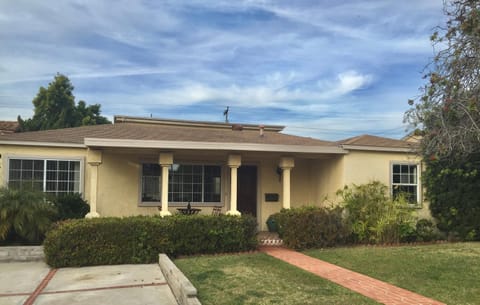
[[350, 81], [334, 60]]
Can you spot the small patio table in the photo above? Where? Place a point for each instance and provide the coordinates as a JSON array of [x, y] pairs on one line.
[[189, 211]]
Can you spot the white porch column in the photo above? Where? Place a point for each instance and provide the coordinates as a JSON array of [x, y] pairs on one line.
[[234, 162], [165, 160], [94, 159], [286, 164]]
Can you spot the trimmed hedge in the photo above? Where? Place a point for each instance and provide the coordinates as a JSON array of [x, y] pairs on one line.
[[311, 227], [139, 239]]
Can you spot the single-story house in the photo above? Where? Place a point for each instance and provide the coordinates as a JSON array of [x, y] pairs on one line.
[[145, 166]]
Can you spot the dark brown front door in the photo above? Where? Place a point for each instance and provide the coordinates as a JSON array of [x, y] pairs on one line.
[[247, 189]]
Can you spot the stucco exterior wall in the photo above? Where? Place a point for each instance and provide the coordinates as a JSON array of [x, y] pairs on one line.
[[328, 177], [269, 182], [302, 186], [17, 151], [118, 186], [365, 166]]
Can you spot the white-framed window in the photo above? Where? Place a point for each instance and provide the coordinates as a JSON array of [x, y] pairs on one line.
[[52, 176], [405, 181], [194, 183]]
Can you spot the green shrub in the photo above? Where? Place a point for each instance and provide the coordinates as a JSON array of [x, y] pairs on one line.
[[452, 189], [374, 217], [426, 231], [108, 241], [25, 215], [217, 234], [311, 227], [70, 206]]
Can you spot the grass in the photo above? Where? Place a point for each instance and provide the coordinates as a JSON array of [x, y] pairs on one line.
[[260, 279], [445, 272]]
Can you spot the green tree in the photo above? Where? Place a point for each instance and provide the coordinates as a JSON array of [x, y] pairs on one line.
[[89, 115], [54, 107], [447, 116]]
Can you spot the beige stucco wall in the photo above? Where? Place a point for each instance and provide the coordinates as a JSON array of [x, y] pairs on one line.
[[302, 185], [119, 180], [268, 182], [365, 166], [14, 151], [328, 177]]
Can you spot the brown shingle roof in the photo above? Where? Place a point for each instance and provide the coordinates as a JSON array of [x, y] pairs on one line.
[[158, 132], [8, 127], [374, 141]]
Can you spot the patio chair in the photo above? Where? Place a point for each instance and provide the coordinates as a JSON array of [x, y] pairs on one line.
[[216, 211]]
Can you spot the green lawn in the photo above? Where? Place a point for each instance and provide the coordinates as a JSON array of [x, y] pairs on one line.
[[261, 279], [446, 272]]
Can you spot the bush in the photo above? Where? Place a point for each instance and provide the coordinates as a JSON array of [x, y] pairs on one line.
[[212, 234], [70, 206], [452, 189], [310, 227], [108, 241], [426, 231], [374, 217], [25, 215]]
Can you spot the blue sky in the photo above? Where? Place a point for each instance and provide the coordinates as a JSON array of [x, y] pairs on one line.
[[327, 69]]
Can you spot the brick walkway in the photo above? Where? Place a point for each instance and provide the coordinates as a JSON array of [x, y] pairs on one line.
[[367, 286]]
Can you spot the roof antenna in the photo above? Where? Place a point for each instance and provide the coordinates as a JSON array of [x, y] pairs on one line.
[[225, 114]]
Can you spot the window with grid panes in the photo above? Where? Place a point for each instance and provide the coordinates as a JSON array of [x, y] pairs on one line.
[[50, 176], [186, 183], [405, 181]]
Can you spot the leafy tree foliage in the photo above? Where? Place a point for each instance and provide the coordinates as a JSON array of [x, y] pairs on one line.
[[447, 116], [452, 189], [448, 112], [54, 107]]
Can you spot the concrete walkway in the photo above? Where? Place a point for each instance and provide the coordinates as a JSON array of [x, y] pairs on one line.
[[367, 286], [34, 283]]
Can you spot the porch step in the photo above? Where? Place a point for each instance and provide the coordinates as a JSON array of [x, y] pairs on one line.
[[269, 239]]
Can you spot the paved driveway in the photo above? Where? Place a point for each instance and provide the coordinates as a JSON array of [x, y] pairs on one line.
[[35, 283]]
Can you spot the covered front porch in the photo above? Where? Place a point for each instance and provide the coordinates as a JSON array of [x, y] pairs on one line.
[[124, 181]]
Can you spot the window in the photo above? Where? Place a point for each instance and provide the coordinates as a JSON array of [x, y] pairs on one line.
[[50, 176], [405, 181], [151, 182], [186, 183]]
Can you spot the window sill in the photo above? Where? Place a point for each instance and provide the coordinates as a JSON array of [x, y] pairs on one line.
[[147, 204], [415, 206], [181, 204]]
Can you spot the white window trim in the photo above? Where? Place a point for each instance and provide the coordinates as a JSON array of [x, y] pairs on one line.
[[6, 171], [181, 204], [419, 203]]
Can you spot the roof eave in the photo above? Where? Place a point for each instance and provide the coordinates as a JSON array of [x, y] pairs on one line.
[[197, 145], [379, 148], [43, 144]]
